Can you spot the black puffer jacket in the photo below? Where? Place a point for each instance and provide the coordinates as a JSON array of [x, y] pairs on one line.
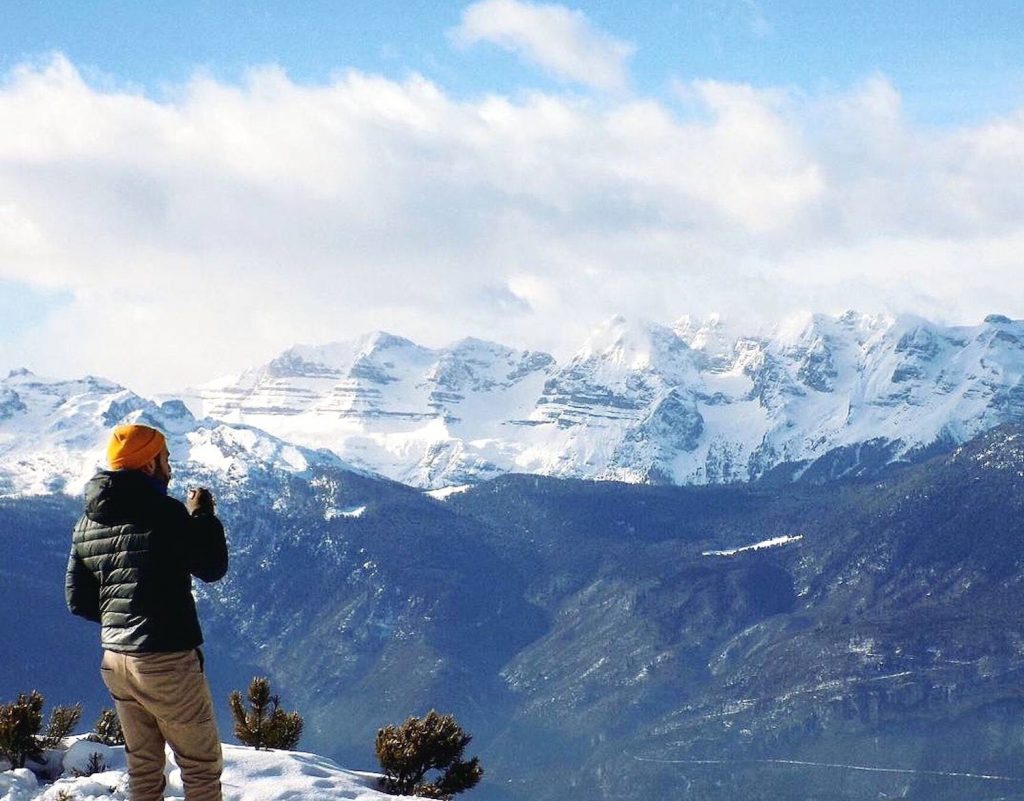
[[133, 555]]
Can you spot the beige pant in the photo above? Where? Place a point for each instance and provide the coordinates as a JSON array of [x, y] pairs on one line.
[[164, 698]]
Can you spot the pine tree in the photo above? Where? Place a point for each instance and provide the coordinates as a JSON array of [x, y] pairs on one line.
[[434, 742], [20, 722], [108, 728], [63, 720], [265, 725]]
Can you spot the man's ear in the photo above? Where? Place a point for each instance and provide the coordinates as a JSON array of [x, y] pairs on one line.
[[149, 468]]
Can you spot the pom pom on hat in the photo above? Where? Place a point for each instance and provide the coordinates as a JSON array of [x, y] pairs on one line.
[[133, 446]]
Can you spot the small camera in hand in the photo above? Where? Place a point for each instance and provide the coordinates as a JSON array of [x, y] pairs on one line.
[[199, 500]]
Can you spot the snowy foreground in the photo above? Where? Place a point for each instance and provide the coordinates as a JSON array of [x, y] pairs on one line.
[[249, 775]]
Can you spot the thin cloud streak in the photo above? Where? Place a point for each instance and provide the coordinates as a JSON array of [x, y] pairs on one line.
[[194, 236], [553, 37]]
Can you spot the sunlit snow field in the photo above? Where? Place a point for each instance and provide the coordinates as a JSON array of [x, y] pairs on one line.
[[249, 775]]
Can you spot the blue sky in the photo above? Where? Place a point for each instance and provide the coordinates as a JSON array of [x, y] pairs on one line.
[[501, 168], [953, 60]]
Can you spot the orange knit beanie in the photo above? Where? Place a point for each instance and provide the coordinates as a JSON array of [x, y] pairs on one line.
[[133, 446]]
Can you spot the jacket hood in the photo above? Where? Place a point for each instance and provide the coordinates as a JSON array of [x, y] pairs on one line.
[[116, 495]]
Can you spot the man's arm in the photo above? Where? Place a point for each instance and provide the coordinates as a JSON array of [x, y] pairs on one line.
[[81, 589], [208, 548]]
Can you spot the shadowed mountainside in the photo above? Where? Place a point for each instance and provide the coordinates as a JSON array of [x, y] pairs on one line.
[[613, 641]]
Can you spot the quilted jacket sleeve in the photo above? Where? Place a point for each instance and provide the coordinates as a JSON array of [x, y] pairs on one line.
[[208, 554], [81, 589]]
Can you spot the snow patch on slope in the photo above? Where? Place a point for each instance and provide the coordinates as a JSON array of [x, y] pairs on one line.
[[774, 542], [447, 492], [351, 511]]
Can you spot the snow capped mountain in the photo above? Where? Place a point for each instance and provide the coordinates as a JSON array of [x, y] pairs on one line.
[[701, 402], [53, 437], [624, 402], [425, 417]]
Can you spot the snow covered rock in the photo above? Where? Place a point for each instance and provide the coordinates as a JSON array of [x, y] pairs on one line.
[[18, 785]]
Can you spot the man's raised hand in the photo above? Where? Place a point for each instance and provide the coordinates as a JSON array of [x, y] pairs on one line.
[[199, 501]]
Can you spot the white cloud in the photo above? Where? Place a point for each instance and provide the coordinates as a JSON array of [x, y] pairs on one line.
[[199, 234], [556, 38]]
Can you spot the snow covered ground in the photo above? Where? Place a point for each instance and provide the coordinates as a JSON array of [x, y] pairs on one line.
[[249, 775]]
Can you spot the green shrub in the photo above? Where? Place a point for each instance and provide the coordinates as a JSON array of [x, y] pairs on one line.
[[21, 721], [108, 728], [63, 720], [96, 764], [435, 742], [264, 725]]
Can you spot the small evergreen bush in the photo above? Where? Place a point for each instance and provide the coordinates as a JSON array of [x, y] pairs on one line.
[[108, 728], [264, 725], [96, 764], [21, 721], [63, 720], [435, 742]]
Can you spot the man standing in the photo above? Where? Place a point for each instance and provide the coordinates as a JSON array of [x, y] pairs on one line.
[[133, 555]]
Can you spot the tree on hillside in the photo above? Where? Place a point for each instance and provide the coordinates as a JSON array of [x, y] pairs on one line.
[[21, 721], [435, 742], [265, 724]]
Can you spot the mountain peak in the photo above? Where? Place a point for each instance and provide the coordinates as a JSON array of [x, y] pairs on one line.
[[382, 340], [806, 326], [23, 378], [712, 337], [689, 327], [477, 344], [633, 343], [335, 359]]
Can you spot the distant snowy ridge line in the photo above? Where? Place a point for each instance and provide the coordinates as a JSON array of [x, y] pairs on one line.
[[816, 398], [699, 402], [54, 433]]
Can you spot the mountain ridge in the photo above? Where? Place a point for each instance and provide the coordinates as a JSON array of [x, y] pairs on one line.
[[697, 402], [700, 402]]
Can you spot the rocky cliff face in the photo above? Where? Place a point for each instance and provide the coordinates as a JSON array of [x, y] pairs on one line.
[[698, 403]]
